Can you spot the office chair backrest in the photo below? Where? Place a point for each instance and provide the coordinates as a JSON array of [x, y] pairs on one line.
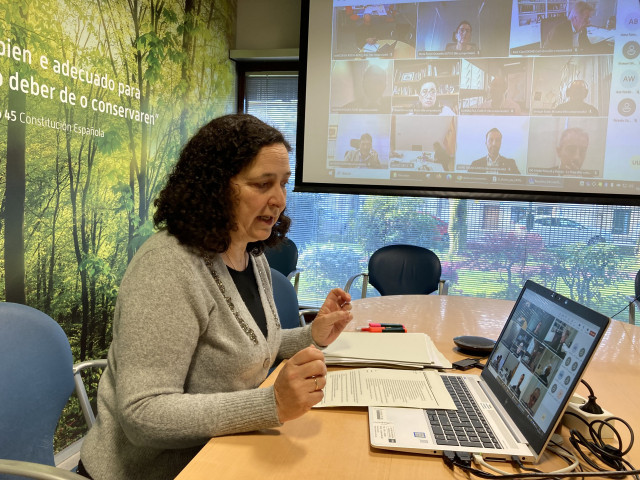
[[547, 25], [637, 286], [36, 381], [283, 257], [404, 270], [286, 300]]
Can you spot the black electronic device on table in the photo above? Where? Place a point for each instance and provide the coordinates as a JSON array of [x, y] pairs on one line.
[[472, 345]]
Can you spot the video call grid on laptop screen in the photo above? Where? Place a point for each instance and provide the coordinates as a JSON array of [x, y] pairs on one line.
[[540, 357]]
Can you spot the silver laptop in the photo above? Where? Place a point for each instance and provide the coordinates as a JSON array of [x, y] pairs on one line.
[[518, 400]]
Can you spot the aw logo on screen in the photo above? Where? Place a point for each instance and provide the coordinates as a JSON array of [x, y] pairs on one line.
[[629, 78]]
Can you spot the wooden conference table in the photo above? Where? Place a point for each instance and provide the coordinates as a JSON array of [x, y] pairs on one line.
[[334, 443]]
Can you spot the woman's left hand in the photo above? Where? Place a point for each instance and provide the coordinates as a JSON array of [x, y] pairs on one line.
[[333, 317]]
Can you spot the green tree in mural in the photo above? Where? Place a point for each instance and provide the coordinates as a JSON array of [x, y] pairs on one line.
[[126, 48], [87, 197], [188, 28], [16, 170]]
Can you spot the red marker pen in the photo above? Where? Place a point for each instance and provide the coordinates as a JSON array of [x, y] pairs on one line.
[[383, 329], [396, 325]]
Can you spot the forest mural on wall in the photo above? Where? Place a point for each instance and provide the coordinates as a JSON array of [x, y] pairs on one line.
[[97, 99]]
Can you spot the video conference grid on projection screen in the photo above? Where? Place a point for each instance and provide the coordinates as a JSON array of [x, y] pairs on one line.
[[488, 94]]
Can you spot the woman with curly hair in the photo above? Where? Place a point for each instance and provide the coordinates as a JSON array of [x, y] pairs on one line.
[[195, 328]]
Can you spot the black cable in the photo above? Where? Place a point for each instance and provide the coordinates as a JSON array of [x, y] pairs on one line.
[[596, 435], [636, 298], [535, 475], [609, 455], [522, 466], [591, 406]]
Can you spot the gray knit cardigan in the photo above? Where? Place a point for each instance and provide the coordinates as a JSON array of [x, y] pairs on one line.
[[184, 363]]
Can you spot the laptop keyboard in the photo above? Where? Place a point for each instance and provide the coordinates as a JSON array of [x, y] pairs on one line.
[[465, 427]]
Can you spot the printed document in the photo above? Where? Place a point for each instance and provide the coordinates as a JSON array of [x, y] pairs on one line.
[[400, 350], [381, 387]]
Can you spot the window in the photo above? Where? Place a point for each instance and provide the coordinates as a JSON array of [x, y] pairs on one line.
[[487, 248]]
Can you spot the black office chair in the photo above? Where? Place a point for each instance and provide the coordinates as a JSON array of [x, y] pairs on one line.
[[37, 376], [635, 300], [284, 258], [546, 26], [403, 270]]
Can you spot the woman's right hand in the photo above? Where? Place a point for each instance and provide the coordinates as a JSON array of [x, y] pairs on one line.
[[299, 384]]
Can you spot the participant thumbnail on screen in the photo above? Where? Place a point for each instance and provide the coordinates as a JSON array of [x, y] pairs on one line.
[[492, 145], [384, 30], [422, 144], [572, 86], [361, 86], [426, 87], [468, 28], [359, 144], [567, 146], [495, 86], [563, 27]]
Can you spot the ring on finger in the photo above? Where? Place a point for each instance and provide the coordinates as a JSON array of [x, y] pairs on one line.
[[315, 379]]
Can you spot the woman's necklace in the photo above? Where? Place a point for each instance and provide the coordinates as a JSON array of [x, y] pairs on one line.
[[209, 262], [233, 264]]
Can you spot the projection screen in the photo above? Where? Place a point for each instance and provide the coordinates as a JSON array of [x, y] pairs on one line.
[[505, 99]]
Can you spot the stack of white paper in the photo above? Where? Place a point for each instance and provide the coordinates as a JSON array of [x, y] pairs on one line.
[[364, 387], [397, 350]]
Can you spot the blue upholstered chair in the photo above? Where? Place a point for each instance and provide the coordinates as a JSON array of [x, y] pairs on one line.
[[286, 301], [287, 304], [284, 258], [37, 376], [402, 270]]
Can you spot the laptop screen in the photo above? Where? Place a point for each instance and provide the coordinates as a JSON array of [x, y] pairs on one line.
[[539, 358]]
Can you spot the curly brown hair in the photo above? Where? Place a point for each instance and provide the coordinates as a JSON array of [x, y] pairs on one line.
[[196, 204]]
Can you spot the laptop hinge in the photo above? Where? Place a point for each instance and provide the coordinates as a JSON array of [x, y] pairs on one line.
[[515, 431]]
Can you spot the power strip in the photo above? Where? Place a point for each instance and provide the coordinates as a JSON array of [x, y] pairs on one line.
[[574, 423]]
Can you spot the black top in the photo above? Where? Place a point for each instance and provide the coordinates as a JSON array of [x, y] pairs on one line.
[[248, 288]]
